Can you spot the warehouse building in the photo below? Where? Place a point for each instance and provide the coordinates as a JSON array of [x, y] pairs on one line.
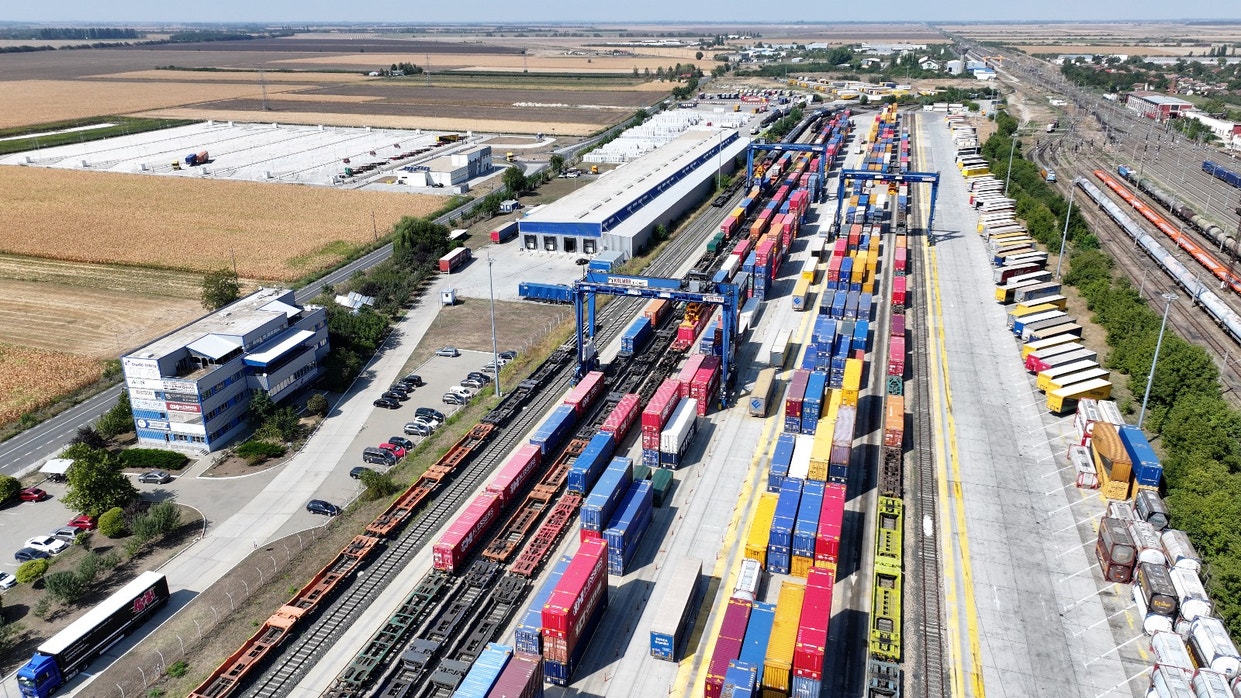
[[1153, 105], [450, 170], [619, 211], [190, 389]]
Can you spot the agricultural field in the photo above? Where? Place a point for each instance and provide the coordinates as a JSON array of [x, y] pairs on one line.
[[1133, 38], [275, 233], [32, 378]]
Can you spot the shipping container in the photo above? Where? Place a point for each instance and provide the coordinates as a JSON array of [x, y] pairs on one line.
[[555, 429], [661, 486], [1191, 597], [592, 461], [1155, 585], [727, 644], [521, 678], [515, 473], [1147, 470], [780, 540], [628, 524], [780, 350], [757, 637], [674, 616], [1213, 648], [781, 461], [831, 519], [1115, 551], [816, 611], [598, 506], [454, 260], [1180, 550], [852, 383], [688, 370], [636, 336], [812, 403], [803, 454], [504, 232], [706, 384], [657, 412], [806, 528], [458, 541], [1111, 462], [676, 438], [575, 605], [778, 665], [528, 636], [485, 671], [656, 310], [759, 533], [623, 416], [760, 395], [793, 397]]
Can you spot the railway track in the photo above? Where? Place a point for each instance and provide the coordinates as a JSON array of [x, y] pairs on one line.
[[928, 678]]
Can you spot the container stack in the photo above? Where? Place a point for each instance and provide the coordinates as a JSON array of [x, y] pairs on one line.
[[655, 417], [810, 651], [677, 437], [573, 610], [592, 461], [528, 636], [630, 521], [599, 505], [484, 672], [727, 644]]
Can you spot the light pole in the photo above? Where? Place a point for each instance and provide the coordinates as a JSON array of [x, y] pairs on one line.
[[1009, 173], [1150, 377], [1064, 237], [495, 354]]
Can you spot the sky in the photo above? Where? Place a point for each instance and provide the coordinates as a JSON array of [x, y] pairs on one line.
[[698, 11]]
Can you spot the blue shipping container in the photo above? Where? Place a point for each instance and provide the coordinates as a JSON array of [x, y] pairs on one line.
[[780, 460], [635, 337], [757, 636], [806, 688], [838, 304], [846, 268], [809, 356], [781, 536], [650, 456], [553, 431], [594, 458], [607, 492], [865, 306], [740, 680], [624, 532], [851, 304], [837, 474], [528, 636], [1147, 469], [484, 672], [750, 261], [779, 560], [824, 330], [805, 531], [861, 336], [812, 404]]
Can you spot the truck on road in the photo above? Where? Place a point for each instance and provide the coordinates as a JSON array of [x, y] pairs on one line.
[[69, 651]]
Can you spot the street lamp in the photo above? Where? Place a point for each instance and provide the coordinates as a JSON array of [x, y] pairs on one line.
[[1150, 377], [1009, 173], [495, 354], [1064, 238]]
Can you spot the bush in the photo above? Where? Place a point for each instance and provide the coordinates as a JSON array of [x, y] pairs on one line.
[[9, 487], [66, 587], [88, 567], [32, 571], [378, 485], [255, 451], [178, 669], [112, 523], [317, 405], [153, 459], [43, 607]]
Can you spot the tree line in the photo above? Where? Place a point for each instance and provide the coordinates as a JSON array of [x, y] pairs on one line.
[[1196, 433]]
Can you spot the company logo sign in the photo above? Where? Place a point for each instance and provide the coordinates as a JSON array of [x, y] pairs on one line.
[[144, 602]]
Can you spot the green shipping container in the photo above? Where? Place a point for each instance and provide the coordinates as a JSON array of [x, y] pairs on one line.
[[661, 484], [641, 472]]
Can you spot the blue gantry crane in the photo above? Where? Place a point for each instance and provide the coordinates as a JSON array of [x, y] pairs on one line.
[[892, 178]]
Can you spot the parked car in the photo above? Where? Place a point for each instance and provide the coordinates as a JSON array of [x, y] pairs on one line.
[[429, 413], [28, 554], [401, 441], [430, 423], [33, 494], [399, 390], [454, 399], [488, 368], [448, 351], [417, 429], [47, 544], [508, 355], [479, 376], [395, 397], [318, 506], [156, 477], [7, 581], [66, 533], [398, 451], [472, 383], [357, 472], [413, 380], [463, 391], [388, 402], [378, 456], [82, 522]]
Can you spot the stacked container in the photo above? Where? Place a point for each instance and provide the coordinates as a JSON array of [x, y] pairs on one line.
[[778, 664], [630, 521], [622, 417], [728, 644], [759, 533], [809, 652], [676, 438], [656, 415], [688, 371], [528, 637], [485, 671], [521, 678], [812, 403], [806, 528], [601, 502], [793, 398], [591, 462], [706, 384], [780, 461], [573, 610], [780, 540], [1147, 470], [831, 519], [745, 673], [842, 445]]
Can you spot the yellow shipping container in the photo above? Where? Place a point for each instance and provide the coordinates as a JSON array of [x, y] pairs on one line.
[[810, 270], [859, 270], [778, 666], [821, 453], [801, 566], [852, 382], [738, 213], [824, 564], [760, 528]]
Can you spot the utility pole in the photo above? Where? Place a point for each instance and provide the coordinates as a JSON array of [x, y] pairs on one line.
[[1009, 173], [1150, 377], [495, 354], [263, 83], [374, 227], [1064, 238]]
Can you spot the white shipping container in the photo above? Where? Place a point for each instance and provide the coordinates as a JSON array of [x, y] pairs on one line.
[[1211, 684], [1211, 645], [780, 347], [1151, 622], [1170, 650], [1109, 412], [731, 265], [682, 426], [1119, 509], [748, 580], [1170, 682], [1180, 550], [1087, 476], [799, 468], [1147, 539], [1192, 595]]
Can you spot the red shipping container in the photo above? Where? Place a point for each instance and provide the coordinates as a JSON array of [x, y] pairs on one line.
[[622, 416], [902, 260], [728, 644], [816, 611], [522, 678], [583, 589], [898, 292], [662, 403], [763, 252], [706, 383], [729, 226], [831, 518], [584, 534], [898, 326], [688, 371], [463, 533], [583, 395], [896, 356], [514, 474], [742, 249], [796, 393]]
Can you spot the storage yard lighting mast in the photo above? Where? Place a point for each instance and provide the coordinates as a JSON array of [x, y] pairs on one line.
[[1150, 377], [495, 355], [1064, 238]]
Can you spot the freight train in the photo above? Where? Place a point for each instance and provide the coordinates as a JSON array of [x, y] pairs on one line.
[[1222, 173], [1204, 295], [1181, 210]]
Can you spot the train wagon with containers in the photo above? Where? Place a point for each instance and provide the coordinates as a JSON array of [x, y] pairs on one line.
[[528, 635], [573, 610], [64, 655]]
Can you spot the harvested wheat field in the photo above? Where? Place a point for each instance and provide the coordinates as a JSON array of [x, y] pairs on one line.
[[41, 101], [430, 123], [275, 233], [494, 61], [33, 378], [86, 321], [224, 75]]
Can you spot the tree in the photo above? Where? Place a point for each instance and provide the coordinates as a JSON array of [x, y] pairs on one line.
[[96, 484], [65, 587], [514, 181], [556, 163], [317, 405], [260, 409], [698, 55], [282, 425], [117, 420], [9, 487], [220, 287], [418, 242], [112, 523], [32, 571], [88, 436], [378, 484]]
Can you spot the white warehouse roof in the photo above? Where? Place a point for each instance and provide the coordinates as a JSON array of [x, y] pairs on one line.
[[604, 205]]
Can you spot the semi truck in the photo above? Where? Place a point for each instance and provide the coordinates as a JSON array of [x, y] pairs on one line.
[[196, 159], [69, 651]]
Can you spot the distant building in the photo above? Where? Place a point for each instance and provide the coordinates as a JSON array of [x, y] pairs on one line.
[[880, 49], [451, 170], [955, 67], [191, 388], [1159, 107], [929, 63], [984, 73], [1228, 132]]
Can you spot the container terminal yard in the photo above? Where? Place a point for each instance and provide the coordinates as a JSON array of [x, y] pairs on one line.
[[807, 454]]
